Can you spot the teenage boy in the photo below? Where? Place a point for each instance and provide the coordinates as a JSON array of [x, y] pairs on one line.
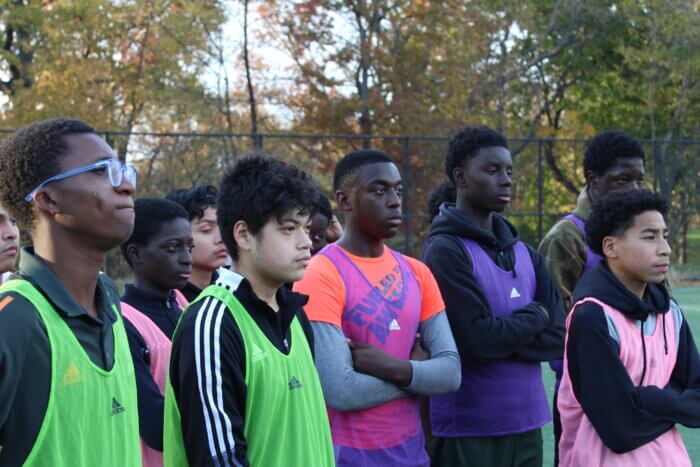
[[67, 385], [613, 160], [321, 225], [505, 313], [209, 253], [631, 368], [367, 303], [243, 387], [9, 244], [159, 252]]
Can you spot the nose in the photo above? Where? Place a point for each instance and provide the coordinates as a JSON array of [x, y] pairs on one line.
[[304, 242], [393, 199], [217, 236], [665, 248], [506, 179], [126, 187], [186, 257], [635, 185]]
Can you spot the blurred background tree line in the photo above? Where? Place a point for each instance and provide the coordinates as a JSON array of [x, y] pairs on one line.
[[182, 88]]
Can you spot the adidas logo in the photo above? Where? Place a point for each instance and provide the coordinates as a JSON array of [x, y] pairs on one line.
[[294, 383], [258, 354], [72, 375], [116, 407], [394, 325], [514, 293]]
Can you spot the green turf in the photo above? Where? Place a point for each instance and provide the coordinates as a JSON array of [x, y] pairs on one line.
[[689, 299]]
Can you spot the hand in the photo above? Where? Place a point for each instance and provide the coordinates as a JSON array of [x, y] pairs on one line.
[[373, 361], [334, 230], [418, 352]]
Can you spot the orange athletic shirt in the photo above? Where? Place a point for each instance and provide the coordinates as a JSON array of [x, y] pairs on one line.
[[326, 290]]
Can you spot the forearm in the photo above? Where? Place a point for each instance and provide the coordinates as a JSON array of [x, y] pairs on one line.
[[442, 373], [343, 387]]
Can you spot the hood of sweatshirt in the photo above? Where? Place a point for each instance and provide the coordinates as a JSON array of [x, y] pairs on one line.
[[602, 284], [452, 221]]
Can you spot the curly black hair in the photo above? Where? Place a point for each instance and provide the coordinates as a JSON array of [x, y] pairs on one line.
[[466, 143], [615, 212], [150, 216], [604, 149], [324, 206], [259, 188], [195, 200], [28, 157], [348, 166], [445, 192]]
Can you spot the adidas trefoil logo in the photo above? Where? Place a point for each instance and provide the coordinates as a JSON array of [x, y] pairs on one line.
[[394, 325], [514, 293], [258, 354], [72, 375], [116, 407], [294, 383]]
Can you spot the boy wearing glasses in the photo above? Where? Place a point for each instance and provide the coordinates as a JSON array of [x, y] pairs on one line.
[[159, 252], [67, 385]]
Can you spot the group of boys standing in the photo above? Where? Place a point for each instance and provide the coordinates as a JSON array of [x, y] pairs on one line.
[[319, 344]]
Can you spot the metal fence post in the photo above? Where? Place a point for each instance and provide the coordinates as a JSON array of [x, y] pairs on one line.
[[540, 192], [406, 161]]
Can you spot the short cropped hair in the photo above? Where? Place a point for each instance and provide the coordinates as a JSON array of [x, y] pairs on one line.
[[28, 157], [349, 165], [150, 216], [324, 206], [195, 200], [614, 214], [445, 192], [466, 143], [604, 149], [259, 188]]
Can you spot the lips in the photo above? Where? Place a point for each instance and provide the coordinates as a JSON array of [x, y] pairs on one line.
[[10, 251], [662, 267], [304, 260], [221, 253], [505, 197], [394, 220]]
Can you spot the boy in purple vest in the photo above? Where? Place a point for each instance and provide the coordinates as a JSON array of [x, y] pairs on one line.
[[159, 252], [631, 368], [366, 304], [504, 310], [613, 160]]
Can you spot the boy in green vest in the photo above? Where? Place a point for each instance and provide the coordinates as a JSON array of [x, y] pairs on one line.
[[243, 388], [67, 387]]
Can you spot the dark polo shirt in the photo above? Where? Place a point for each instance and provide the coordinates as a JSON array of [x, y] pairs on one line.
[[25, 354]]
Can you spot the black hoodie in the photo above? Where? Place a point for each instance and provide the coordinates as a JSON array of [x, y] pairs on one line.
[[625, 415], [533, 333]]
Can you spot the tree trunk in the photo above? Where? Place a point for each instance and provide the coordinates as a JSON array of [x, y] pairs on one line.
[[251, 95]]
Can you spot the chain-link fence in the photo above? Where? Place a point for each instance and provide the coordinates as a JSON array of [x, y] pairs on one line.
[[548, 173]]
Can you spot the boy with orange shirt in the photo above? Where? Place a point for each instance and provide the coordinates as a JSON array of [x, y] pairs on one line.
[[367, 303]]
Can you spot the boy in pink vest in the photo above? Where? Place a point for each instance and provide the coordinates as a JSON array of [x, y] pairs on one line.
[[631, 368], [160, 253], [366, 304]]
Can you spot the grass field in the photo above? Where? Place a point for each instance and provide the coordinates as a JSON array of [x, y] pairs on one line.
[[689, 299]]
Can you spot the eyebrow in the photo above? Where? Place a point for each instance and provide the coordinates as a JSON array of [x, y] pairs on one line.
[[206, 221], [379, 181], [654, 230]]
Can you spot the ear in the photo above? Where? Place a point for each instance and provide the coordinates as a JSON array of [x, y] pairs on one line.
[[242, 236], [134, 253], [342, 199], [591, 180], [611, 247], [459, 174], [47, 203]]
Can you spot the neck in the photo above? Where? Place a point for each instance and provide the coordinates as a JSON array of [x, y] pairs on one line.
[[632, 284], [76, 265], [265, 289], [479, 217], [201, 278], [359, 244], [148, 286]]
